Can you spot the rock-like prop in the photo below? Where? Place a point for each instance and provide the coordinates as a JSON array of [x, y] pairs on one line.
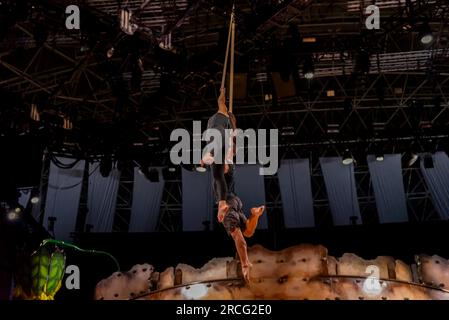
[[299, 272]]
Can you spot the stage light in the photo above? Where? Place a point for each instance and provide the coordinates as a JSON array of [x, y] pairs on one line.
[[309, 40], [110, 52], [261, 77], [35, 200], [330, 93], [378, 153], [308, 68], [14, 214], [347, 158], [34, 113], [428, 161], [67, 123], [413, 159], [425, 34], [380, 157]]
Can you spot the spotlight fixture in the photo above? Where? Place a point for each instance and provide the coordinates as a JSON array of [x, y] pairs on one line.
[[308, 68], [347, 158], [378, 153], [425, 34], [35, 200], [110, 52], [330, 93], [12, 215], [261, 77], [309, 40], [67, 123], [34, 113], [379, 157]]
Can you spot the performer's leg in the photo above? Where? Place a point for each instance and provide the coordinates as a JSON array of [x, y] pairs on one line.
[[221, 189], [251, 223], [241, 247]]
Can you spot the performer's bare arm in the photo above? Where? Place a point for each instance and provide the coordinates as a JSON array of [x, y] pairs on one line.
[[222, 102], [241, 247]]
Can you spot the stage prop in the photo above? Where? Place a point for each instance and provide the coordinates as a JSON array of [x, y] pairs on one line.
[[40, 279], [299, 272], [40, 275]]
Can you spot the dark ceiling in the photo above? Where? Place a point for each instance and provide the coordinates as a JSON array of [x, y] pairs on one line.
[[113, 103]]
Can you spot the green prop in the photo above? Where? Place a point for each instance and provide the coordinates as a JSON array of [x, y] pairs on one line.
[[47, 270]]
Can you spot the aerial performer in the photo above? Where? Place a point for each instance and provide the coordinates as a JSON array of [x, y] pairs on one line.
[[230, 207]]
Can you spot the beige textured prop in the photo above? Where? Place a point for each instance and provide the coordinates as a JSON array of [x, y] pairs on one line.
[[299, 272], [433, 270]]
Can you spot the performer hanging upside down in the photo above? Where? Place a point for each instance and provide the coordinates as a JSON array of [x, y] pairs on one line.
[[221, 121], [230, 207]]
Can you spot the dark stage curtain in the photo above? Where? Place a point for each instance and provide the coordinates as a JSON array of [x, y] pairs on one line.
[[197, 200], [102, 198], [388, 185], [437, 180], [63, 196], [296, 193], [146, 204], [341, 190]]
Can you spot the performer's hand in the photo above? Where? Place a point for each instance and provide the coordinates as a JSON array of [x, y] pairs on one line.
[[207, 159], [257, 211], [222, 97]]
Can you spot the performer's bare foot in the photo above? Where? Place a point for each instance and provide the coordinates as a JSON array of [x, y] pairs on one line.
[[257, 211], [223, 208], [246, 268]]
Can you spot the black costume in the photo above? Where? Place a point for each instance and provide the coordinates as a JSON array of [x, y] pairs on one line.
[[234, 218], [222, 183]]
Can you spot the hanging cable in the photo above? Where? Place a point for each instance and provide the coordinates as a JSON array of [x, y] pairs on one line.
[[231, 71], [69, 245], [225, 65]]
